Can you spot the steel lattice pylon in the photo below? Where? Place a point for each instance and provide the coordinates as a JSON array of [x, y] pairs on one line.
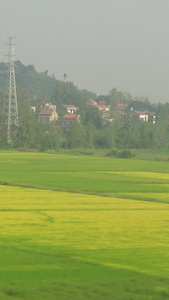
[[11, 107]]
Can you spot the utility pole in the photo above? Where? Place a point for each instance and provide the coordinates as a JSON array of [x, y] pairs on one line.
[[11, 106]]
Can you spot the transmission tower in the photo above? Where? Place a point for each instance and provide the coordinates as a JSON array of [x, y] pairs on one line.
[[11, 107]]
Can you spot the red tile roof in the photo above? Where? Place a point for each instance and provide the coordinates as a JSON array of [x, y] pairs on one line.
[[101, 106], [121, 112], [141, 112], [91, 102], [70, 116], [102, 102], [107, 114], [122, 105], [46, 111], [69, 106], [44, 103]]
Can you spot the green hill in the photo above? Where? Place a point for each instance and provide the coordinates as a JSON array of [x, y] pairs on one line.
[[44, 86]]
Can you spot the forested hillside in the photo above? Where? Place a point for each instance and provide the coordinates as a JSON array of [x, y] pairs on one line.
[[116, 128], [42, 86]]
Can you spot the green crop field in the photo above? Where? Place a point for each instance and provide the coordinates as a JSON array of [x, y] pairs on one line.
[[80, 227]]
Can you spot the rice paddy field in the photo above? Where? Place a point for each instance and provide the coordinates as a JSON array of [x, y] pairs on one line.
[[81, 227]]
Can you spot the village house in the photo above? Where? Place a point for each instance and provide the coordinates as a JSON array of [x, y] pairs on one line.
[[33, 107], [101, 107], [143, 116], [47, 116], [122, 113], [46, 105], [102, 103], [70, 109], [152, 117], [68, 121], [92, 103], [107, 117], [122, 106]]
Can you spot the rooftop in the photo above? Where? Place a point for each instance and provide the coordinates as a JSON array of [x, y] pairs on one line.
[[46, 111], [69, 116], [69, 106]]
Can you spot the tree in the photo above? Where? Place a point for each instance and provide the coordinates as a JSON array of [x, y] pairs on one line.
[[42, 141], [64, 76], [76, 136], [90, 131], [3, 129], [27, 122], [94, 116], [55, 134], [26, 132], [161, 133], [147, 135], [116, 97], [128, 136]]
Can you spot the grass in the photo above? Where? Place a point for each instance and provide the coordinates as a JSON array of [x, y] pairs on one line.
[[143, 154], [109, 240], [83, 173]]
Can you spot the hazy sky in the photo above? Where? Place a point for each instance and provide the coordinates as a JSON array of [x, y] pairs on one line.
[[100, 44]]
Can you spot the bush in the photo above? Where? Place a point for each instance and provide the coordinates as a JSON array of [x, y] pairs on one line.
[[125, 154], [112, 153]]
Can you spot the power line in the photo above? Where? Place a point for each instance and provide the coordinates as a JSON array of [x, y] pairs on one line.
[[38, 76], [2, 72]]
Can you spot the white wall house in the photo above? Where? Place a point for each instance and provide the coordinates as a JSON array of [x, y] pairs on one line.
[[70, 109], [48, 116]]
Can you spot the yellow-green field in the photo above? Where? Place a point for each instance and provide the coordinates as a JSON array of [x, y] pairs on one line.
[[66, 245], [82, 221], [106, 231]]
